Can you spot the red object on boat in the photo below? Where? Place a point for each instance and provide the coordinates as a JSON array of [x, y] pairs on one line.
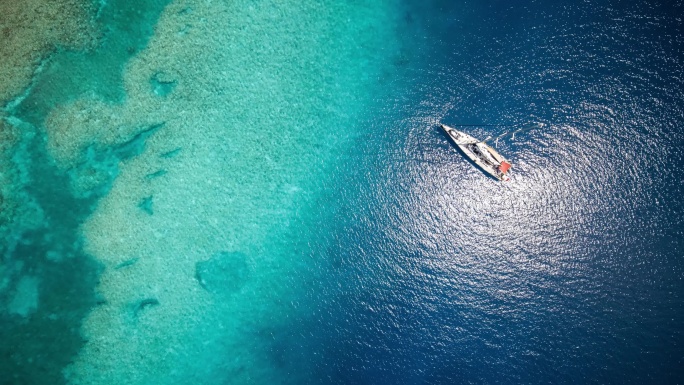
[[504, 167]]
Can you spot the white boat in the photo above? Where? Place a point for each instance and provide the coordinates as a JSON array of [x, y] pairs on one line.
[[480, 153]]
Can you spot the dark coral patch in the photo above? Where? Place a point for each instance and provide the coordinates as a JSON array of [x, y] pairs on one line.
[[224, 273]]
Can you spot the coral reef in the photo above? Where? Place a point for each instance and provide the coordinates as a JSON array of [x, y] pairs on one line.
[[31, 29]]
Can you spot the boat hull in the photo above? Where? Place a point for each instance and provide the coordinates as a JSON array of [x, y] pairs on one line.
[[478, 152]]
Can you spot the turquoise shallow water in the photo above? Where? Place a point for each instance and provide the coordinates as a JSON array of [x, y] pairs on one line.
[[169, 179], [241, 192]]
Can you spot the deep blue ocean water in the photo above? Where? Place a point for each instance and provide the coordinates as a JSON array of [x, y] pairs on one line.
[[421, 270], [570, 273]]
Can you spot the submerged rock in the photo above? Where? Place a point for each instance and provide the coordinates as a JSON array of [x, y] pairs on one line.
[[146, 205], [126, 263], [143, 304], [99, 166], [224, 273], [25, 299], [155, 174], [171, 154], [162, 84]]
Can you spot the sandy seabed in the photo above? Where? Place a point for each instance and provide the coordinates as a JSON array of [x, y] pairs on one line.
[[238, 110]]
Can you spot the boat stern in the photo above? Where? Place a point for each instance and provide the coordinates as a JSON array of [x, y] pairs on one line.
[[503, 168]]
